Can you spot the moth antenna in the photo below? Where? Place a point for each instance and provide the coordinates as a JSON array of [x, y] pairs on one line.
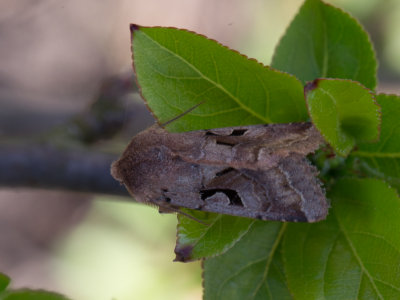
[[182, 114]]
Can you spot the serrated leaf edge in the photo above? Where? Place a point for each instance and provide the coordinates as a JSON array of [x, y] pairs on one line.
[[251, 60], [358, 24], [277, 242], [223, 250], [310, 86]]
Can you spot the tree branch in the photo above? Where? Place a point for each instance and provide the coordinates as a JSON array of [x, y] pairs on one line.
[[46, 167]]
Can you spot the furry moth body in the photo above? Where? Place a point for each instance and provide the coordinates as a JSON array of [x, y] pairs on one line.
[[251, 171]]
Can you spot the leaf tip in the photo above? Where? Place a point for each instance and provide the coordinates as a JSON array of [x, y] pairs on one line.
[[134, 27], [184, 253], [312, 85]]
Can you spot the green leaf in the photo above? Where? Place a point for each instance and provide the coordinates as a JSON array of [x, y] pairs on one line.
[[197, 240], [324, 41], [251, 269], [355, 253], [25, 294], [343, 111], [4, 282], [31, 295], [177, 69], [382, 159]]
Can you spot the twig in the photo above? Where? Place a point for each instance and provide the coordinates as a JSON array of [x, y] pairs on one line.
[[33, 166]]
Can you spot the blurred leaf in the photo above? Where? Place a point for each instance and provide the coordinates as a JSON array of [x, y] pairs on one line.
[[121, 251], [251, 269], [382, 159], [31, 295], [197, 240], [343, 111], [177, 69], [324, 41], [25, 294], [355, 253], [4, 282]]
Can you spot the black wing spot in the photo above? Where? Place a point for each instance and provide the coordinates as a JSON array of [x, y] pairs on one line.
[[167, 199], [233, 196], [225, 143], [238, 132], [224, 171]]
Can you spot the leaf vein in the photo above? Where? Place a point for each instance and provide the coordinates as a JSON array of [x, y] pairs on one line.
[[377, 237], [353, 249], [269, 258], [219, 86]]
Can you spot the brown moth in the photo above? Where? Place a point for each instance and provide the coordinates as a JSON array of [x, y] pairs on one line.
[[250, 171]]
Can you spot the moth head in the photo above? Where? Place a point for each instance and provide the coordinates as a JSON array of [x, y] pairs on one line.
[[140, 173]]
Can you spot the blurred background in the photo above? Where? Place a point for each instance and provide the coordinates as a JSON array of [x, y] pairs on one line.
[[56, 59]]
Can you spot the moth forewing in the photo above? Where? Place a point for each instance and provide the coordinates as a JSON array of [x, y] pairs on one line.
[[250, 171]]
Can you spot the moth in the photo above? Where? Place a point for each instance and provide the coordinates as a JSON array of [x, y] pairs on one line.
[[258, 171]]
